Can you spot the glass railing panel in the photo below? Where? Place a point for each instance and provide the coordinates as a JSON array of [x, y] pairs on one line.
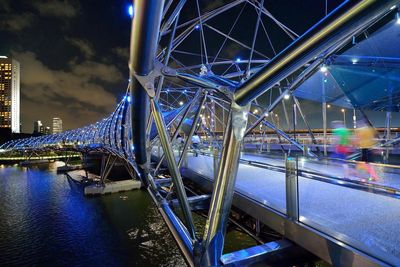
[[337, 200]]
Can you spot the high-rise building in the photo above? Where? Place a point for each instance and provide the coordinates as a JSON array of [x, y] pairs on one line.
[[47, 130], [37, 125], [9, 94], [57, 125]]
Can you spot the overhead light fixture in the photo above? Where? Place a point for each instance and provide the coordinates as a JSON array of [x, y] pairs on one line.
[[130, 11], [323, 68], [286, 96]]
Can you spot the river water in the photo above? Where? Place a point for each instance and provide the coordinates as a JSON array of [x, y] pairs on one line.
[[45, 220]]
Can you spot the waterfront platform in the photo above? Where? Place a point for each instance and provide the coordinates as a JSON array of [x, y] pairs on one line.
[[343, 220], [112, 187]]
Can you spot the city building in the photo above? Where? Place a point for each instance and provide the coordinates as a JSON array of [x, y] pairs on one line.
[[9, 94], [37, 125], [47, 130], [57, 125]]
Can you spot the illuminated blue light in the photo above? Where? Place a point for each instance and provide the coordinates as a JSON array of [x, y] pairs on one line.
[[130, 11], [238, 59], [129, 98], [197, 27]]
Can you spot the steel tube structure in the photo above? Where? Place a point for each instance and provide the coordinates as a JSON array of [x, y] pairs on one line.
[[111, 136], [178, 128], [221, 200], [340, 24], [144, 39], [173, 168], [295, 84], [192, 130]]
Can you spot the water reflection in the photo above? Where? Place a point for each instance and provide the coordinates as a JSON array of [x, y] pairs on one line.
[[46, 220]]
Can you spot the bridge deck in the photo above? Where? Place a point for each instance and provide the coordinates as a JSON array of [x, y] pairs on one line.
[[360, 219]]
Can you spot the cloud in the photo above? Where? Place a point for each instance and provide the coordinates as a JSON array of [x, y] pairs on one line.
[[83, 45], [57, 8], [16, 22], [77, 95], [5, 5], [213, 5], [122, 52]]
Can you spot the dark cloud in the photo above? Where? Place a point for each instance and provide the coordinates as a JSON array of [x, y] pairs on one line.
[[16, 22], [5, 5], [213, 5], [122, 52], [57, 8], [68, 68], [84, 46], [77, 92]]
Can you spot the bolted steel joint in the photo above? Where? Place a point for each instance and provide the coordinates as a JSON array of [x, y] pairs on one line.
[[239, 119]]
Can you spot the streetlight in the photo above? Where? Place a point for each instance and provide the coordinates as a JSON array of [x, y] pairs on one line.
[[344, 116], [328, 106]]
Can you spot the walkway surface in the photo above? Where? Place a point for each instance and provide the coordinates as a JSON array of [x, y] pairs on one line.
[[365, 220]]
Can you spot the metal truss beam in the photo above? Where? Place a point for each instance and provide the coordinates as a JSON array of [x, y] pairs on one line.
[[339, 25]]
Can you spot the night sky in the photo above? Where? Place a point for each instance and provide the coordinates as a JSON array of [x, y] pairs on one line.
[[74, 54]]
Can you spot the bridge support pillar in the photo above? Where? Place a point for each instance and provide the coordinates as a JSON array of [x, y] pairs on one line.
[[221, 200], [106, 166]]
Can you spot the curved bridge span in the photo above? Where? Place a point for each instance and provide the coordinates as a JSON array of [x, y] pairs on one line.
[[185, 80]]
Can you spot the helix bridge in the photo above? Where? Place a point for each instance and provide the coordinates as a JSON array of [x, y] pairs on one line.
[[191, 72]]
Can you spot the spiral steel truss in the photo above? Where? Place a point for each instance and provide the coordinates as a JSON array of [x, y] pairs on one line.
[[207, 87]]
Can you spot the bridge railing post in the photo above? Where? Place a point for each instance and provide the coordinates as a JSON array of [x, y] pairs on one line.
[[292, 188]]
